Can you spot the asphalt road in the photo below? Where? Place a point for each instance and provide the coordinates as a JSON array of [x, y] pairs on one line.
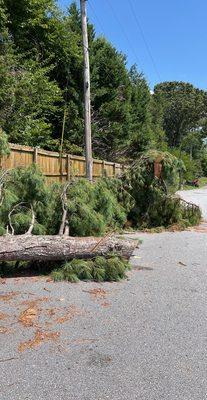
[[144, 338], [196, 196]]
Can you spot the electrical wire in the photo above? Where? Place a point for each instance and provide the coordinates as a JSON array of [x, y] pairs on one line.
[[144, 39], [123, 32], [96, 16]]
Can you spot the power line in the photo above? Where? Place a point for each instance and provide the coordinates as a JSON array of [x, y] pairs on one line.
[[123, 32], [144, 39], [96, 16]]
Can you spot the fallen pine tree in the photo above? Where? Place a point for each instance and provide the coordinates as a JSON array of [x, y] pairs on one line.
[[44, 224], [55, 248]]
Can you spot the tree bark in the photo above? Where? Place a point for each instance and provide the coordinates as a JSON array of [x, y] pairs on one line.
[[53, 248]]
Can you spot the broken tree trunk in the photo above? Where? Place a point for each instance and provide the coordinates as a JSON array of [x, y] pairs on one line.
[[52, 248]]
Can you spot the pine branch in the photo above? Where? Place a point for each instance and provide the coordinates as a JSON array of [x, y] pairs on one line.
[[31, 227]]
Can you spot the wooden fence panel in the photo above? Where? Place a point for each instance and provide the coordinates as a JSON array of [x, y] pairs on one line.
[[78, 166], [56, 168], [97, 168]]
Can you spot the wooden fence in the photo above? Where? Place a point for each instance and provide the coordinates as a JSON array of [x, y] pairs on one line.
[[56, 168]]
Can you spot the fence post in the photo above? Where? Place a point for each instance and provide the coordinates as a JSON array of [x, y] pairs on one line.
[[35, 156], [103, 169], [68, 167], [114, 170]]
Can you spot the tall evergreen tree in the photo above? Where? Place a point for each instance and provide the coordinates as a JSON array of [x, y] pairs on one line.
[[140, 132], [110, 99]]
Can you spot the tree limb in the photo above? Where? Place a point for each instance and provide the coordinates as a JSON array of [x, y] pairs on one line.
[[31, 227], [2, 183], [64, 226]]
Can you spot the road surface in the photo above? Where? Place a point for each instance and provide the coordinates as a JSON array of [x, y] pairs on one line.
[[197, 196], [140, 339]]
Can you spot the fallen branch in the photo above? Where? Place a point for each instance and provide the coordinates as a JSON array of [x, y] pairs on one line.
[[64, 226], [31, 227], [2, 183], [52, 248], [10, 215]]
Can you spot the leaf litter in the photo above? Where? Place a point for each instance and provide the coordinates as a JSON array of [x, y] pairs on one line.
[[32, 314], [39, 338], [8, 296], [97, 293]]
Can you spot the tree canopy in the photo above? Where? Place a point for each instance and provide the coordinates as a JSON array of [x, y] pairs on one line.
[[41, 83], [184, 108]]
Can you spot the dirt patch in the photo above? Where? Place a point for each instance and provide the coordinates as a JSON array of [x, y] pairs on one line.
[[39, 338]]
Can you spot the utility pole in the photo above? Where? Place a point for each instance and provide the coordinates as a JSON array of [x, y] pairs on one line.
[[87, 94]]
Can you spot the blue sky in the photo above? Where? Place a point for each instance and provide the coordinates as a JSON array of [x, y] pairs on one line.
[[166, 39]]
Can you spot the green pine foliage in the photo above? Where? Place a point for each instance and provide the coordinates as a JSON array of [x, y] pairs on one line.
[[155, 202], [93, 209], [193, 167], [4, 146], [112, 268], [24, 190], [41, 83]]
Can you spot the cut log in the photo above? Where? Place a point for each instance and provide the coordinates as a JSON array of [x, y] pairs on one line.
[[53, 248]]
